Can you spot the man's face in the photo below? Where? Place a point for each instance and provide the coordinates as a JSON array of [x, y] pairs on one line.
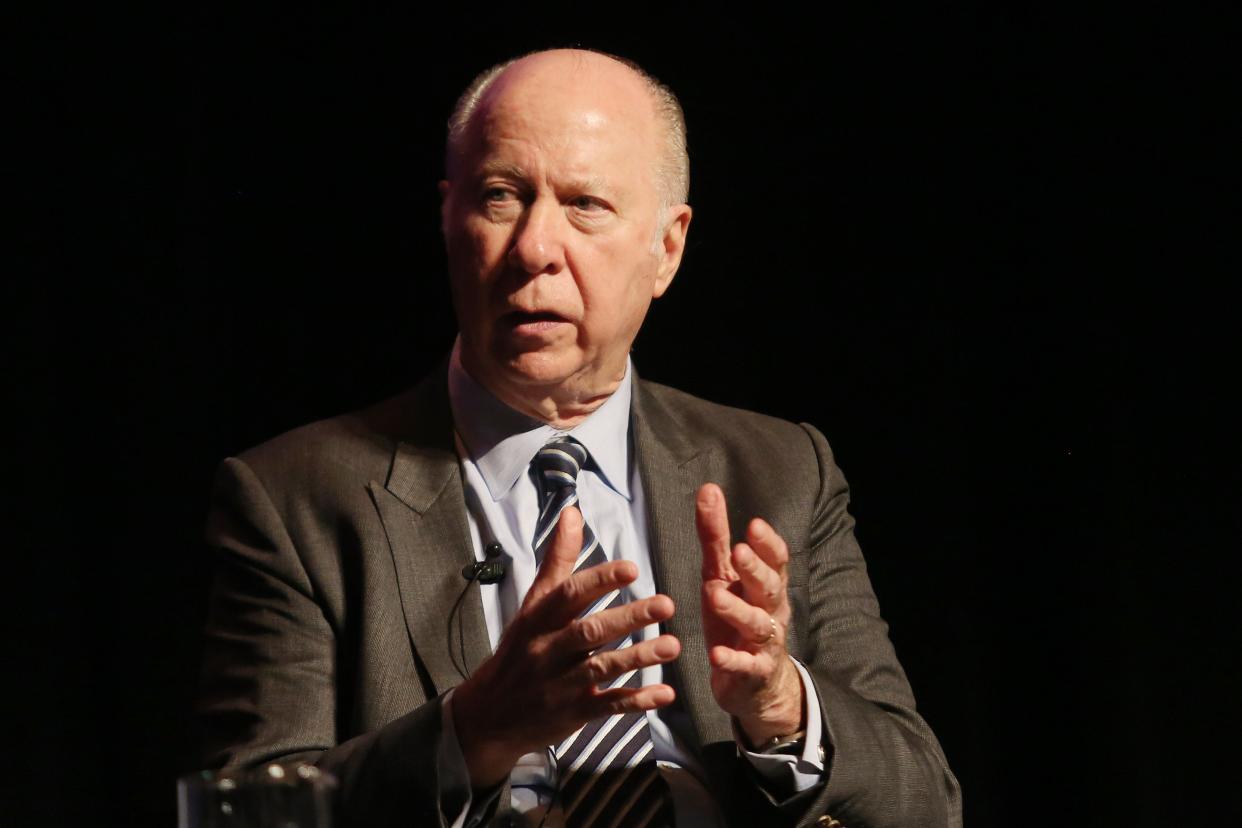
[[556, 238]]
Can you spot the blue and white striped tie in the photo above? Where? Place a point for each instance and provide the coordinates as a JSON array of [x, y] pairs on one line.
[[607, 772]]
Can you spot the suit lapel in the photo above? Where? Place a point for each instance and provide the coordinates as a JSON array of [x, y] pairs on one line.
[[672, 465], [422, 507]]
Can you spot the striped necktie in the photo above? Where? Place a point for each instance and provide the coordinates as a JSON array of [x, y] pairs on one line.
[[607, 773]]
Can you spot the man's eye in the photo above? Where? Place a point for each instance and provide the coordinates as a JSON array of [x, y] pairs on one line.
[[586, 204], [496, 194]]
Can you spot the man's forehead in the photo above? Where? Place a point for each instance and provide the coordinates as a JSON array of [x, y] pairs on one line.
[[592, 91], [568, 68], [564, 129], [585, 134]]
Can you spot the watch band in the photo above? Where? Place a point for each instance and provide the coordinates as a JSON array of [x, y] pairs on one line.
[[790, 744]]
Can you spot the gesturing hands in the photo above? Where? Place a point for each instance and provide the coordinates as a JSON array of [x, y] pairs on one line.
[[745, 617], [541, 683]]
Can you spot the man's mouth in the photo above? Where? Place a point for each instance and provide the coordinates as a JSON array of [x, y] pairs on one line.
[[533, 323], [529, 317]]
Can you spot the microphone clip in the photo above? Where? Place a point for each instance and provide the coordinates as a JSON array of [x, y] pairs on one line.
[[488, 571]]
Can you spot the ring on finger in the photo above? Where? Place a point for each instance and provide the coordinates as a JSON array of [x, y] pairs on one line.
[[771, 633]]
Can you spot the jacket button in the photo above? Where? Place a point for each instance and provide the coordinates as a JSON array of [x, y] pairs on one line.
[[828, 822]]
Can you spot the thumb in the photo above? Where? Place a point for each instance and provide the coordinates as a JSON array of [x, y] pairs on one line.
[[560, 557]]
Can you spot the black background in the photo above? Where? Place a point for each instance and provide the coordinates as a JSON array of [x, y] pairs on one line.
[[987, 252]]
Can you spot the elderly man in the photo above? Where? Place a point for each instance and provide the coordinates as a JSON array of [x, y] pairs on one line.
[[512, 594]]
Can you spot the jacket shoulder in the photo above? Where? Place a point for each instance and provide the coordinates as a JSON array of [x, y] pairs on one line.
[[720, 424], [342, 442], [349, 449]]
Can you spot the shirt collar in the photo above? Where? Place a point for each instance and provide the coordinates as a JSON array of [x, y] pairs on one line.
[[502, 442]]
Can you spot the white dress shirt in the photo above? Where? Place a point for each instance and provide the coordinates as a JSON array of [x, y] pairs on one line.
[[496, 445]]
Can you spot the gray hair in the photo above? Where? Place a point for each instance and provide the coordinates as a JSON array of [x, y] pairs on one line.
[[673, 166]]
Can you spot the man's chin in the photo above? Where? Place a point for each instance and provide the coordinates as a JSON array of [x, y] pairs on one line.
[[540, 368]]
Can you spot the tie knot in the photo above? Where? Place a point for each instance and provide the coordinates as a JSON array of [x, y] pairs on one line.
[[559, 462]]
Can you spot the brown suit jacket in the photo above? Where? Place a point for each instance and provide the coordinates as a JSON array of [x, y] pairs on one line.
[[340, 548]]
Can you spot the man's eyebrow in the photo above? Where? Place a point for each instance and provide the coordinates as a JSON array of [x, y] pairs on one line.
[[592, 184], [516, 172], [503, 169]]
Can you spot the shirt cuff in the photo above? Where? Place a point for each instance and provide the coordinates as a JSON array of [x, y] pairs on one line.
[[456, 797], [792, 774]]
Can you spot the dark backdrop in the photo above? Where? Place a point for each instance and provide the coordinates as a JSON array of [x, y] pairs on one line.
[[985, 252]]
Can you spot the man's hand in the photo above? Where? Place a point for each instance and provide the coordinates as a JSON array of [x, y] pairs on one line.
[[745, 617], [541, 683]]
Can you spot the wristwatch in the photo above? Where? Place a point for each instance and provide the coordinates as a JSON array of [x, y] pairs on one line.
[[790, 745]]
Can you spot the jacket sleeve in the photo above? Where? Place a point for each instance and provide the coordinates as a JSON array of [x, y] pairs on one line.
[[885, 768], [271, 677]]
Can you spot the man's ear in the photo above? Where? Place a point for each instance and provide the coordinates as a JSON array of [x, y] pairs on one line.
[[445, 189], [671, 245]]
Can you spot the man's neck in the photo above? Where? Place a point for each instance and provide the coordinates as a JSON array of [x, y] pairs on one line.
[[562, 406]]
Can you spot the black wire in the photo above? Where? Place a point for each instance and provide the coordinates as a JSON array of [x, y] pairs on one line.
[[461, 635], [464, 673]]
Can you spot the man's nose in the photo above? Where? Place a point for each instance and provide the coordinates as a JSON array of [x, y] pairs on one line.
[[539, 240]]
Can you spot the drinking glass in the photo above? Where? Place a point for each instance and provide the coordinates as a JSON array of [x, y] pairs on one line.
[[273, 796]]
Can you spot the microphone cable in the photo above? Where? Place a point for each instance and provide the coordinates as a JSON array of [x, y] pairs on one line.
[[490, 570]]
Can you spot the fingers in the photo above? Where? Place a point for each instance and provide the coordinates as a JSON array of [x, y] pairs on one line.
[[614, 666], [567, 600], [770, 546], [711, 519], [755, 666], [761, 584], [558, 594], [600, 628], [558, 560], [753, 625], [630, 700]]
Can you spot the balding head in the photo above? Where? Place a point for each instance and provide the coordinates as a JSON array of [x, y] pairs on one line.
[[560, 228], [590, 73]]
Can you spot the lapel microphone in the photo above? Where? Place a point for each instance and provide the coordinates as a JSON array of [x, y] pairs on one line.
[[491, 570]]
